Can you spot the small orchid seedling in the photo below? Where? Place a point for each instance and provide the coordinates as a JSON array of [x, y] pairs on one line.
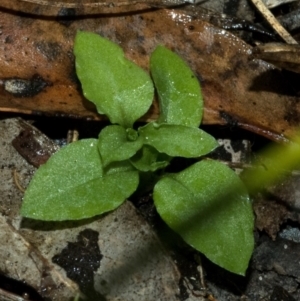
[[207, 203]]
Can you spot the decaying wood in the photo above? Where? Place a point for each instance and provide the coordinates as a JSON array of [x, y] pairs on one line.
[[237, 89], [21, 258], [34, 147]]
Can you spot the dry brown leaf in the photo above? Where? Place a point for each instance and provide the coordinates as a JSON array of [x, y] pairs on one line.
[[83, 7], [237, 90]]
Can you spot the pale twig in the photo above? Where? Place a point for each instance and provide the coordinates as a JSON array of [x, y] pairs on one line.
[[200, 270], [16, 180], [273, 22], [72, 136]]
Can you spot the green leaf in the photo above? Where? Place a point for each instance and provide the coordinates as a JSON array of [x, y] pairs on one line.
[[178, 140], [119, 88], [71, 185], [117, 167], [208, 205], [117, 144], [149, 159], [180, 98]]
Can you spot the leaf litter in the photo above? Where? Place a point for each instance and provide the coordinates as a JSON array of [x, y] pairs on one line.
[[233, 83]]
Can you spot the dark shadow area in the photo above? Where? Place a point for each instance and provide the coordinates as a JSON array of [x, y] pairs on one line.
[[68, 15], [288, 225], [56, 128], [229, 282], [234, 132], [282, 82], [19, 288], [33, 224]]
